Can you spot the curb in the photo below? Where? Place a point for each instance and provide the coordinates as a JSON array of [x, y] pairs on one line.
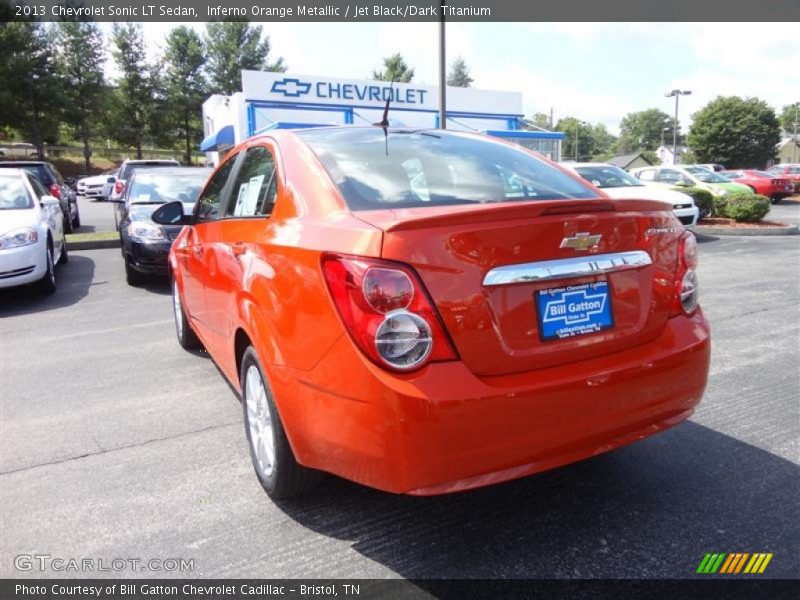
[[793, 230], [92, 245]]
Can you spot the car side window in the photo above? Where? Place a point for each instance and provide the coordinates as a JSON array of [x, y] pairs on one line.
[[793, 170], [37, 186], [648, 175], [254, 190], [207, 207]]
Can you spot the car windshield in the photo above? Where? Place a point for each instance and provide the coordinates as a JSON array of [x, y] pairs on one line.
[[13, 194], [158, 187], [128, 170], [39, 171], [608, 176], [705, 175], [402, 169]]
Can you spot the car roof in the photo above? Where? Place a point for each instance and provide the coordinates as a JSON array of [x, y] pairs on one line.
[[152, 161], [12, 172], [8, 163]]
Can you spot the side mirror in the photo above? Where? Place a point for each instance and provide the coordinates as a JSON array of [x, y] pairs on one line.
[[171, 213], [111, 180], [50, 201]]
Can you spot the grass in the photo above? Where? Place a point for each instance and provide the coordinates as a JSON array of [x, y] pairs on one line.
[[93, 236]]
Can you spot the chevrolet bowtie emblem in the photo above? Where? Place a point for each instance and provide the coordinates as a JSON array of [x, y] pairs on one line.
[[581, 241]]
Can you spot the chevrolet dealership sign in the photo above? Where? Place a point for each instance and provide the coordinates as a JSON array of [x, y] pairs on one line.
[[306, 89]]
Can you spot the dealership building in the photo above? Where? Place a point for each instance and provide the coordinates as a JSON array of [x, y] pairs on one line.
[[270, 101]]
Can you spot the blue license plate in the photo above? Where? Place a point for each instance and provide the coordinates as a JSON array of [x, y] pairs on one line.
[[574, 310]]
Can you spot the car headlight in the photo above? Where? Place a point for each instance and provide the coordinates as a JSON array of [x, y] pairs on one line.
[[144, 231], [19, 237]]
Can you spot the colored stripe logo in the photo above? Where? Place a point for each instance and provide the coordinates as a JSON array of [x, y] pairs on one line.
[[734, 563]]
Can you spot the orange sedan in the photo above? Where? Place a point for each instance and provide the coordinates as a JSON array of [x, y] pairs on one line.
[[427, 312]]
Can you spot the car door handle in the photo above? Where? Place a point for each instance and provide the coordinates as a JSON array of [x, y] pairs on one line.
[[237, 249]]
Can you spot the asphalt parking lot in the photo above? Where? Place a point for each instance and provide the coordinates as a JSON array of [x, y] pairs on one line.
[[114, 442]]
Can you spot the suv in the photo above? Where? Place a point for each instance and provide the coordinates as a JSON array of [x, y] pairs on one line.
[[52, 180], [129, 166]]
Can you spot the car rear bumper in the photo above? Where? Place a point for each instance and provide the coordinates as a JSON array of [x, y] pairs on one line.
[[444, 429], [19, 266]]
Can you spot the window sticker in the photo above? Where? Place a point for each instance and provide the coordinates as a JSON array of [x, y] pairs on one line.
[[237, 212], [251, 198]]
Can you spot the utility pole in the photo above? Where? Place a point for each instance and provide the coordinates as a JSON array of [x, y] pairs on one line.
[[442, 72], [577, 135], [677, 94]]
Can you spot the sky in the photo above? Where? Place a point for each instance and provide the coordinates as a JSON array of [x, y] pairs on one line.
[[596, 72]]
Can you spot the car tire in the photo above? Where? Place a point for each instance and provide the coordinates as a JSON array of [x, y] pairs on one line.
[[76, 222], [186, 335], [64, 258], [132, 276], [277, 470], [47, 284], [67, 224], [777, 199]]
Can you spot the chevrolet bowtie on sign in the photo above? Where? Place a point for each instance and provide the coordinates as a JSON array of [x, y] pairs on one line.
[[734, 563]]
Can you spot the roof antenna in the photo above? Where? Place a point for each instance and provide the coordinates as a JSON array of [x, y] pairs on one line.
[[384, 122]]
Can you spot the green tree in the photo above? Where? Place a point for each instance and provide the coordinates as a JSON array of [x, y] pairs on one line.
[[30, 94], [459, 74], [790, 118], [185, 85], [736, 132], [643, 130], [394, 69], [233, 47], [603, 142], [79, 60], [584, 132], [133, 97], [540, 120]]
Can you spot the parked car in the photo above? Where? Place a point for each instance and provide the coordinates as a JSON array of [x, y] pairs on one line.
[[713, 167], [19, 150], [788, 171], [495, 320], [688, 176], [52, 180], [31, 232], [619, 184], [762, 183], [127, 169], [93, 187], [145, 245]]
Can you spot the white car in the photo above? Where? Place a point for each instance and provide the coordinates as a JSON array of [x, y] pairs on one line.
[[621, 185], [95, 186], [31, 232]]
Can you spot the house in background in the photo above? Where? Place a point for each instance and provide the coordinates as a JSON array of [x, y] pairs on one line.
[[666, 156], [788, 151], [629, 161]]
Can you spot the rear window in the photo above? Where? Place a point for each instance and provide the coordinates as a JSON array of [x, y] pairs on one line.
[[158, 187], [128, 169], [41, 172], [433, 168]]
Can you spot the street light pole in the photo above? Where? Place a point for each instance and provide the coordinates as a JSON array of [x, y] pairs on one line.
[[794, 138], [577, 137], [677, 94]]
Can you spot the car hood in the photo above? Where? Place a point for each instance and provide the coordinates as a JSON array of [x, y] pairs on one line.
[[16, 218], [94, 180], [646, 192]]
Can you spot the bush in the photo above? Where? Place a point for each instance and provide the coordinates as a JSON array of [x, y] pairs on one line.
[[743, 207], [703, 199]]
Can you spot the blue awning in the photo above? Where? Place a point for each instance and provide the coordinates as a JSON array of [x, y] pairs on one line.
[[218, 140]]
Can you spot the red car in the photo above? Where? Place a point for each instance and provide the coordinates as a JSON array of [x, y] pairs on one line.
[[427, 312], [788, 171], [762, 183]]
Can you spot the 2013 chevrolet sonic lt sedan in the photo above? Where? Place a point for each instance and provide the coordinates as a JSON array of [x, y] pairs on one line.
[[427, 312]]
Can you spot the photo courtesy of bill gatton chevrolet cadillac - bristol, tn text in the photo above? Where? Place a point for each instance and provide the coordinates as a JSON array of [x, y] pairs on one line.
[[425, 312]]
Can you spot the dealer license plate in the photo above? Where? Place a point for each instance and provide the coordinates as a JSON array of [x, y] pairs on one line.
[[574, 310]]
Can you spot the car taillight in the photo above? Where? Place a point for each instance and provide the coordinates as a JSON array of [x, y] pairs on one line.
[[55, 190], [118, 187], [686, 287], [387, 312]]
